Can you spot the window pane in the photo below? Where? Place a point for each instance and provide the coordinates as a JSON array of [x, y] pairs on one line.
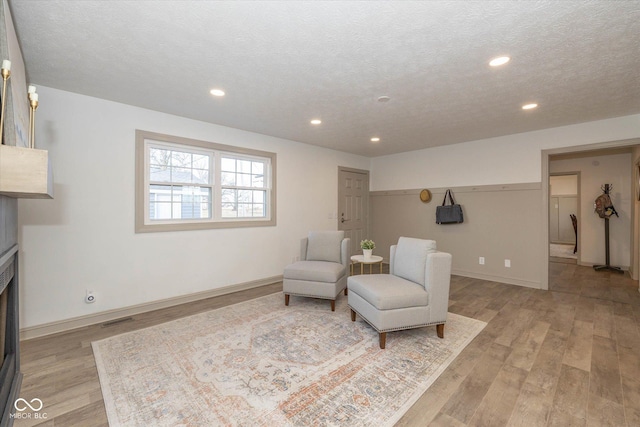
[[244, 196], [257, 168], [159, 156], [176, 210], [161, 193], [244, 180], [228, 165], [244, 166], [201, 161], [258, 196], [228, 178], [228, 196], [229, 210], [159, 173], [176, 194], [245, 210], [160, 210], [200, 176], [181, 175], [180, 159], [258, 210], [257, 180]]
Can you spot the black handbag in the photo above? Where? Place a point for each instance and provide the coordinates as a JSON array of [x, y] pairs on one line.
[[449, 214]]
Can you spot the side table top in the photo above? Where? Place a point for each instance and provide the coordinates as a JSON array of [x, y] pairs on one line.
[[360, 258]]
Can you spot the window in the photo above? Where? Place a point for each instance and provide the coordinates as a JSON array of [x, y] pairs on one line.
[[184, 184]]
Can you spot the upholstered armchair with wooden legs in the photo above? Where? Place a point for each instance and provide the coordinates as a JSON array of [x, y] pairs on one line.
[[413, 295], [322, 269]]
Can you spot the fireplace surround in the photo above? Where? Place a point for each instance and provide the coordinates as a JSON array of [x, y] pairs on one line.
[[10, 376]]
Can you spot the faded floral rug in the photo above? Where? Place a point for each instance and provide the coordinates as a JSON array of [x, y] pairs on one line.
[[259, 363]]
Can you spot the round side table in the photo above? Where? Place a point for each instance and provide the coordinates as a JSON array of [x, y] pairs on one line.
[[375, 259]]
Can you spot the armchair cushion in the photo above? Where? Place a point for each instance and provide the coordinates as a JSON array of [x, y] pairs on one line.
[[386, 292], [324, 246], [315, 271], [411, 257]]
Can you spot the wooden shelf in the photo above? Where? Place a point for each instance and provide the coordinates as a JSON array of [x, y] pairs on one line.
[[25, 173]]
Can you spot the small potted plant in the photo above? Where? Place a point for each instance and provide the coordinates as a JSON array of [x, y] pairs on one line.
[[367, 248]]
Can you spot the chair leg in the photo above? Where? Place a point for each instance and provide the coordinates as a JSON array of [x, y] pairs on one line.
[[383, 339], [440, 330], [353, 316], [286, 299], [333, 305], [346, 292]]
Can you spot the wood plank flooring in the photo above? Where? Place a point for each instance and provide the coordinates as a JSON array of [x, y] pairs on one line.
[[568, 356]]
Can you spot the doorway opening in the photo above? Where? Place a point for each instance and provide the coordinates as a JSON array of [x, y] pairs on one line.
[[564, 203], [628, 239]]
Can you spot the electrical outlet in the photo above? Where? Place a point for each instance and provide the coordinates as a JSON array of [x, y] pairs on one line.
[[481, 260], [89, 297], [507, 263]]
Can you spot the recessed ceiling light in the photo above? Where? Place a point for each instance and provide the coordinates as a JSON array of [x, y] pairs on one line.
[[384, 98], [216, 92], [375, 139], [316, 121], [529, 106], [501, 60]]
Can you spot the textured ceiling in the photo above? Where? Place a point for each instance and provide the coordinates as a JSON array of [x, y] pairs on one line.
[[284, 63]]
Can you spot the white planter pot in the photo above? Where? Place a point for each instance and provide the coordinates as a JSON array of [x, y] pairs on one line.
[[367, 254]]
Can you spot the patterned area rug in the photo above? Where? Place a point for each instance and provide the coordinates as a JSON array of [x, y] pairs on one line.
[[260, 363]]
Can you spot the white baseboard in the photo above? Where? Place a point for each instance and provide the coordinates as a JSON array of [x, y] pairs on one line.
[[118, 313], [499, 279]]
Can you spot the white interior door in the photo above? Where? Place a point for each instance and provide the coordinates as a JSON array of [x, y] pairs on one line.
[[353, 205]]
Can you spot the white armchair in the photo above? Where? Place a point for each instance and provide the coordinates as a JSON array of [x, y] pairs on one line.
[[414, 294], [322, 269]]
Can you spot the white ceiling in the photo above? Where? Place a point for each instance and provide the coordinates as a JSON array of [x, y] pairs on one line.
[[283, 63]]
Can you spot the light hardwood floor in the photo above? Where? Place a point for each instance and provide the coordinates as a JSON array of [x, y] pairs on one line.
[[569, 356]]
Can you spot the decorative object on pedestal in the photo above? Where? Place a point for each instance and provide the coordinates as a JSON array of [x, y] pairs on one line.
[[6, 73], [604, 208], [33, 105], [367, 246]]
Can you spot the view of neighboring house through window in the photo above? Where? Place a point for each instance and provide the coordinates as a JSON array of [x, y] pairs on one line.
[[188, 184], [180, 184]]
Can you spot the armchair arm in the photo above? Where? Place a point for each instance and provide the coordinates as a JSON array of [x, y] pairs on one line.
[[304, 242], [392, 257], [345, 249], [437, 281]]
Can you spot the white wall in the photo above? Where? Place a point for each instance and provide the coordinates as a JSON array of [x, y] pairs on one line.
[[595, 172], [503, 160], [84, 238]]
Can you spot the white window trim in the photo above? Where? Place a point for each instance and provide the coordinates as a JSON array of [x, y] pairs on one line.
[[142, 223]]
